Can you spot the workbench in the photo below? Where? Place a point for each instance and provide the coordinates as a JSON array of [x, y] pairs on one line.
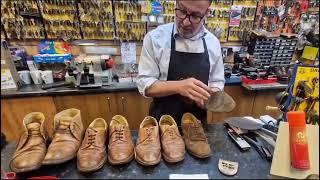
[[251, 165]]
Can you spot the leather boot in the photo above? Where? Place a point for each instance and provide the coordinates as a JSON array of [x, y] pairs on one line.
[[31, 147], [92, 154], [173, 148], [194, 137], [120, 148], [68, 133], [148, 148]]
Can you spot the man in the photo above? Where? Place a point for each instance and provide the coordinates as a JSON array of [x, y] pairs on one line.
[[181, 63]]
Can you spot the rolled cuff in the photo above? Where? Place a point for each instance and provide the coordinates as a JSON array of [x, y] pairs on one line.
[[144, 83], [219, 84]]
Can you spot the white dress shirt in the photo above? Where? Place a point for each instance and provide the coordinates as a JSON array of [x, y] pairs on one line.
[[155, 55]]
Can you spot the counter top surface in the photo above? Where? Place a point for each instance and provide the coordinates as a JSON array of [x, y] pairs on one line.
[[34, 90], [251, 165]]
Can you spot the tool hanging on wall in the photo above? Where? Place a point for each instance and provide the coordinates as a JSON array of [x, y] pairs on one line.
[[218, 20], [21, 20], [96, 19], [248, 11], [60, 19], [128, 21]]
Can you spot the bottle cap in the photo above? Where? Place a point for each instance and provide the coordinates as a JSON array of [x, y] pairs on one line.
[[296, 118]]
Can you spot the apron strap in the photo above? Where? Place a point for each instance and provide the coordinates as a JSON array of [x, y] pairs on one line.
[[173, 42]]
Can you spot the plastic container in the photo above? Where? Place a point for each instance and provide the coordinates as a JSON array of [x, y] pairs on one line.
[[299, 153], [245, 80]]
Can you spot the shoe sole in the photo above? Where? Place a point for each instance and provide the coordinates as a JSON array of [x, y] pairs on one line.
[[24, 169], [199, 156], [99, 166], [170, 160], [148, 163], [127, 160], [59, 161]]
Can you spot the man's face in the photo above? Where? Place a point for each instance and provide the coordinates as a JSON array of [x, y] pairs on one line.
[[196, 8]]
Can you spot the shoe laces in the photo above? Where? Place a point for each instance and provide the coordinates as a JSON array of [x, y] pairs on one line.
[[197, 133], [119, 134], [91, 137], [64, 128], [33, 132], [149, 134], [170, 132]]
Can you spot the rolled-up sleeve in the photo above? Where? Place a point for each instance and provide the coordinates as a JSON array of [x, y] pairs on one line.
[[148, 68], [216, 77]]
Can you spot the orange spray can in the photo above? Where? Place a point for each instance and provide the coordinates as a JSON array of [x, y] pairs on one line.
[[299, 153]]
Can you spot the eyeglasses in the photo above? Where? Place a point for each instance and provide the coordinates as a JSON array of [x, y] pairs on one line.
[[182, 14]]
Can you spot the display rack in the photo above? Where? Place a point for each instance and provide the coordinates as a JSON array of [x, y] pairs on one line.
[[96, 19], [130, 20], [129, 26], [218, 20], [168, 10], [21, 20], [248, 12], [60, 19]]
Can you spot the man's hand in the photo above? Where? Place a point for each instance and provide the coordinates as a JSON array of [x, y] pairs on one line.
[[195, 90]]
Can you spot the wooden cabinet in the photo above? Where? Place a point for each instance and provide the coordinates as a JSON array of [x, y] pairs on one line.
[[14, 110], [133, 106], [263, 99], [91, 106], [129, 104]]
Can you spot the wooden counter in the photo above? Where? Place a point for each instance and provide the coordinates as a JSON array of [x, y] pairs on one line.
[[127, 103]]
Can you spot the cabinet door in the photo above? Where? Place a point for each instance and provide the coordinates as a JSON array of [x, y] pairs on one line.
[[133, 106], [14, 110], [263, 99], [91, 106]]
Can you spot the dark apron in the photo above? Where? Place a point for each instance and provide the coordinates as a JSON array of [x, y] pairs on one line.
[[182, 66]]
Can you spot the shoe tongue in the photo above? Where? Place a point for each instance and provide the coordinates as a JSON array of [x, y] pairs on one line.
[[165, 127], [91, 130], [34, 128], [64, 122], [119, 127]]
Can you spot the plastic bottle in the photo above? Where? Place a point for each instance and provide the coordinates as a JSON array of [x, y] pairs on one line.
[[299, 153]]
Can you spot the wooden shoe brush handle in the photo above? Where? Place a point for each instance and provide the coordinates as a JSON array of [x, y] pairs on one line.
[[272, 108]]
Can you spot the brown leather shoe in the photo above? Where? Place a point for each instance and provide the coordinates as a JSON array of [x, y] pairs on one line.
[[220, 101], [147, 151], [92, 154], [68, 133], [194, 137], [31, 147], [173, 148], [120, 148]]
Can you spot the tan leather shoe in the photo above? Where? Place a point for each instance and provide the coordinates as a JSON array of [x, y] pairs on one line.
[[147, 151], [31, 147], [173, 148], [68, 133], [194, 137], [120, 148], [92, 154]]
